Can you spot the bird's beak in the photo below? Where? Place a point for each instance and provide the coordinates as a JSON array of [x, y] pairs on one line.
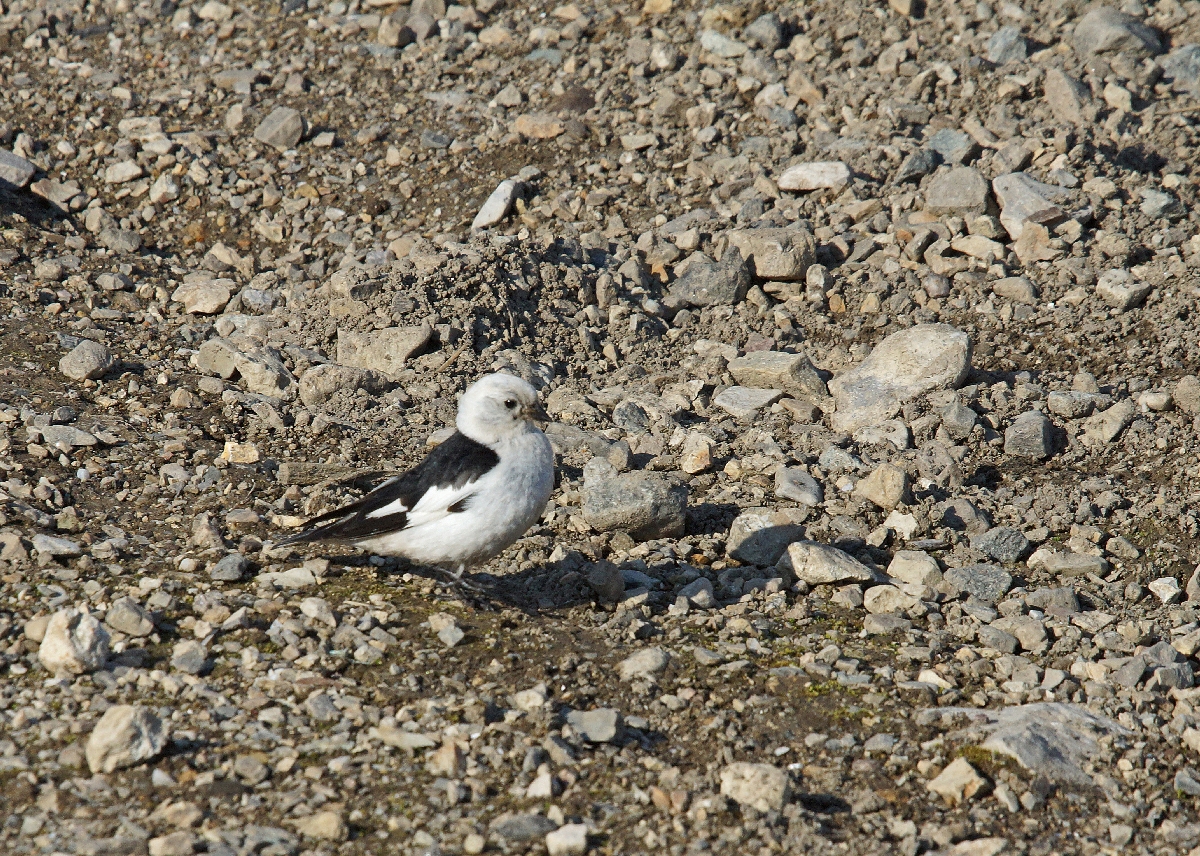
[[536, 413]]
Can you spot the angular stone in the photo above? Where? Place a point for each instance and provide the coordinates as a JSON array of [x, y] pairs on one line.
[[958, 419], [1002, 544], [204, 297], [522, 827], [778, 255], [1104, 427], [1029, 632], [820, 564], [645, 504], [1187, 394], [128, 616], [498, 204], [120, 240], [877, 625], [385, 351], [49, 545], [765, 787], [1006, 45], [962, 190], [644, 664], [721, 44], [74, 642], [888, 599], [570, 839], [87, 360], [958, 782], [1182, 67], [1120, 290], [820, 175], [792, 373], [915, 566], [602, 725], [708, 283], [699, 593], [120, 173], [743, 402], [759, 536], [953, 146], [125, 736], [998, 640], [887, 486], [15, 170], [985, 582], [1029, 436], [1157, 204], [281, 129], [190, 657], [1068, 99], [1104, 30], [325, 825], [697, 452], [230, 568], [538, 126], [904, 365], [1023, 199]]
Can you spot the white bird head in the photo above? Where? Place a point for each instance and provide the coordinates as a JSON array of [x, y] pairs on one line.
[[498, 406]]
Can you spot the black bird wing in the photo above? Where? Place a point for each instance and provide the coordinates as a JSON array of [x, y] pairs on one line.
[[449, 467]]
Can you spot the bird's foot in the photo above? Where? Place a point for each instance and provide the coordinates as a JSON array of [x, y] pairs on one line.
[[458, 581]]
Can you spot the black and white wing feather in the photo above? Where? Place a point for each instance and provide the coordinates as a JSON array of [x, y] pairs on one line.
[[441, 484]]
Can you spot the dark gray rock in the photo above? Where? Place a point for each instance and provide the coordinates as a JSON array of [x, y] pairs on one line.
[[281, 129], [997, 639], [706, 283], [15, 170], [602, 725], [1182, 67], [917, 165], [1104, 30], [1006, 45], [953, 146], [644, 504], [1029, 436], [985, 582], [523, 827], [1002, 544], [229, 569]]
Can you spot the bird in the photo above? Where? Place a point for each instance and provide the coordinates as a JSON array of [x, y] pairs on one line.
[[472, 496]]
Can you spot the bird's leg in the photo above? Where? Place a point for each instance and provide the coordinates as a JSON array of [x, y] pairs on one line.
[[456, 580]]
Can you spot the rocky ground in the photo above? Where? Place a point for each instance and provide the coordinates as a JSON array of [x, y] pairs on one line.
[[868, 332]]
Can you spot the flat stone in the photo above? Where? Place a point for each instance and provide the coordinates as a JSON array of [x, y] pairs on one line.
[[522, 827], [887, 599], [998, 640], [320, 383], [602, 725], [127, 735], [1072, 564], [204, 297], [324, 825], [120, 173], [15, 170], [820, 564], [386, 351], [87, 360], [281, 129], [1105, 427], [775, 254], [904, 365], [1051, 739], [722, 45], [792, 373], [1029, 436], [962, 190], [743, 402], [538, 126], [699, 593], [498, 204], [1018, 289], [985, 582], [1119, 289], [708, 283], [230, 568], [1104, 30], [67, 437], [1023, 200], [819, 175], [74, 642], [50, 545], [120, 240], [953, 146], [765, 787], [1157, 204], [958, 782], [1029, 632], [1068, 99], [877, 625], [978, 247], [644, 504], [1166, 589], [759, 536]]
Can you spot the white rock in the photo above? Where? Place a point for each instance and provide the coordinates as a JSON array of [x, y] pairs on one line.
[[915, 566], [819, 175], [763, 786], [1166, 589], [644, 664], [126, 735], [75, 642], [318, 609], [498, 205], [887, 599], [568, 840], [820, 564], [119, 173]]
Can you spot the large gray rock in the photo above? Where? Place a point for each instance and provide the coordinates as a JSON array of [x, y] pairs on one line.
[[74, 643], [1051, 739], [602, 725], [762, 786], [1002, 544], [1182, 67], [127, 616], [820, 564], [87, 360], [281, 129], [782, 255], [985, 582], [385, 351], [1068, 99], [707, 283], [795, 484], [759, 536], [646, 505], [1006, 45], [744, 402], [792, 373], [643, 664], [904, 365], [962, 190], [261, 369], [1104, 30], [1029, 436], [125, 736], [1121, 290], [204, 297]]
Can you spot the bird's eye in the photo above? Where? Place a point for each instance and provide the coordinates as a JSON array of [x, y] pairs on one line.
[[510, 403]]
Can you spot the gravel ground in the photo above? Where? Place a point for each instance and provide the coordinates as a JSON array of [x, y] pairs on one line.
[[868, 334]]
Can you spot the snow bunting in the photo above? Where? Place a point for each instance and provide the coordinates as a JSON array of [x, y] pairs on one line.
[[473, 495]]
